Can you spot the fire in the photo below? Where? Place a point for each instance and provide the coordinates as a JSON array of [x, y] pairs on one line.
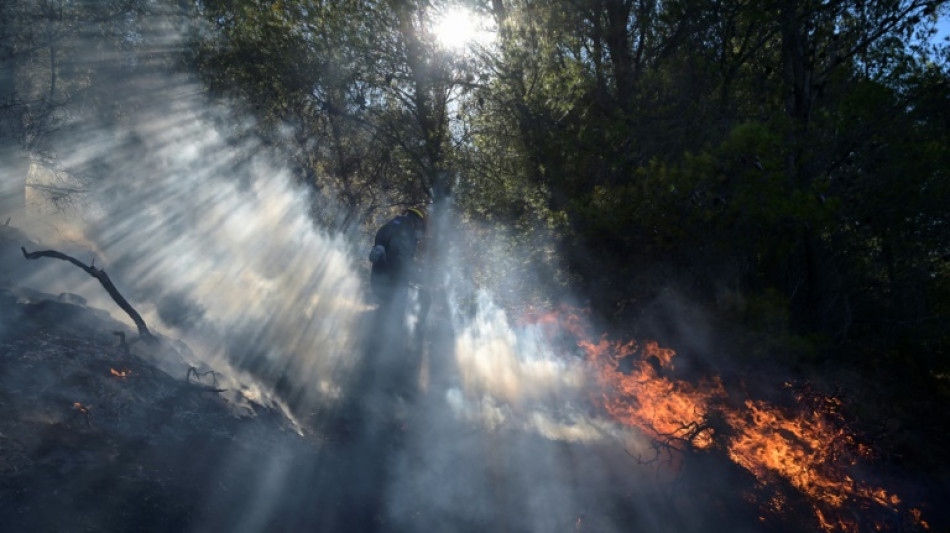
[[670, 410], [120, 373], [85, 412], [809, 448], [634, 390], [918, 518]]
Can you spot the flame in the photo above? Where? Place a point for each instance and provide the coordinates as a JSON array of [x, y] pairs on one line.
[[918, 519], [82, 408], [810, 448], [812, 451], [670, 410], [120, 373]]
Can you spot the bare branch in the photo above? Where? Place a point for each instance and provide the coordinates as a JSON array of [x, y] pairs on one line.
[[192, 371], [107, 284]]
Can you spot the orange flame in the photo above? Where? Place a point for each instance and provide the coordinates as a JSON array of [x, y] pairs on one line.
[[673, 411], [918, 519], [120, 373], [808, 450], [82, 408], [811, 450]]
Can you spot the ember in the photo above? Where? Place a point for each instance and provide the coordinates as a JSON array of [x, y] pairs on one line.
[[85, 412], [918, 519], [120, 373], [811, 449]]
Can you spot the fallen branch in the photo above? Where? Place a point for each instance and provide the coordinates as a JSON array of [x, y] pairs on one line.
[[103, 278], [201, 386], [192, 371]]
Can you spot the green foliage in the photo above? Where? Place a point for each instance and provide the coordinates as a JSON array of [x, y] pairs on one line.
[[346, 90], [58, 63], [782, 164]]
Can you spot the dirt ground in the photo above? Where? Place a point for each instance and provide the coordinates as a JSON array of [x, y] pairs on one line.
[[101, 432]]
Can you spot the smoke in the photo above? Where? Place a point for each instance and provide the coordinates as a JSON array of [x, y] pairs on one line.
[[464, 419], [516, 368]]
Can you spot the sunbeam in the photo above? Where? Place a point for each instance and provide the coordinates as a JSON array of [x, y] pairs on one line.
[[277, 394]]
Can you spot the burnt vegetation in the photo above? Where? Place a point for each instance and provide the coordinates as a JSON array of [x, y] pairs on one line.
[[782, 166]]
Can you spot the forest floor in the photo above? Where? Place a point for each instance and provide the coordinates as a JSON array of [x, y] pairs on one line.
[[102, 433], [94, 436], [97, 434]]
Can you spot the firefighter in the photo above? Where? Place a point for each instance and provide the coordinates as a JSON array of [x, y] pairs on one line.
[[393, 255]]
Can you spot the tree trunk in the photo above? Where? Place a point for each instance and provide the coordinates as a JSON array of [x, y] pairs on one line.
[[429, 119], [617, 39]]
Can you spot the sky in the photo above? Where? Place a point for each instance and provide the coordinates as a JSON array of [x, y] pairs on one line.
[[943, 27]]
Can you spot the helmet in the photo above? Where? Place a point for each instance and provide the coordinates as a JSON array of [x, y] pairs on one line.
[[418, 211]]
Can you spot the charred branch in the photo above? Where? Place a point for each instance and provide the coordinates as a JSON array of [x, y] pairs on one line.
[[201, 387], [106, 283], [659, 450], [668, 445], [192, 371]]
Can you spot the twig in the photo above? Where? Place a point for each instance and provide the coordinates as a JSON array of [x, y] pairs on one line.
[[103, 278], [198, 375], [201, 386]]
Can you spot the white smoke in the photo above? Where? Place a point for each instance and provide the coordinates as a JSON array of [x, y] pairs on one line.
[[212, 239]]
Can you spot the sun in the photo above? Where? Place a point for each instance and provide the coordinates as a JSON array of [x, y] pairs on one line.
[[458, 27]]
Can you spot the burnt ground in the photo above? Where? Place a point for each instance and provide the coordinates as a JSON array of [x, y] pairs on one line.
[[157, 448], [82, 449], [97, 436]]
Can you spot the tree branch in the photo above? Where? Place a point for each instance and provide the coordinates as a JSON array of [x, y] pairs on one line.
[[103, 278]]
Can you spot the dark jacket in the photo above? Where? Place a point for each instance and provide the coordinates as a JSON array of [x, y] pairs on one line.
[[394, 267]]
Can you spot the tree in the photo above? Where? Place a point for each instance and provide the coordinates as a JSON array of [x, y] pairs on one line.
[[359, 89]]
